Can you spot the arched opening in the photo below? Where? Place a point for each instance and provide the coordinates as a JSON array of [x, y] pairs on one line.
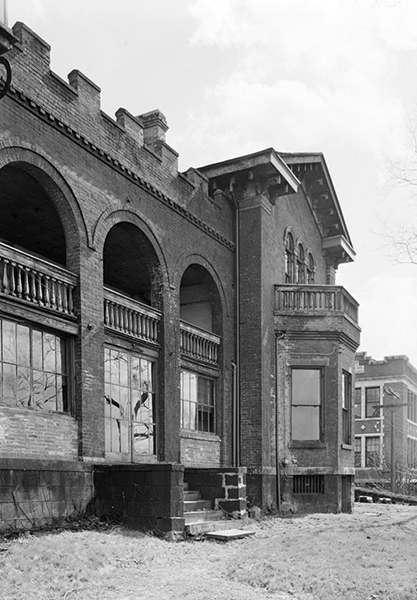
[[35, 352], [311, 268], [131, 265], [301, 266], [201, 328], [28, 218], [289, 258], [131, 271], [200, 303]]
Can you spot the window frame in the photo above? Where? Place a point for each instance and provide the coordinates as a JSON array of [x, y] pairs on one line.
[[358, 403], [133, 423], [300, 265], [289, 266], [318, 405], [373, 438], [347, 408], [201, 410], [368, 403], [358, 452], [310, 269], [38, 372]]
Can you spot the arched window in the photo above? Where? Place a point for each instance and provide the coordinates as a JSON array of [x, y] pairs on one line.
[[289, 258], [310, 268], [301, 266]]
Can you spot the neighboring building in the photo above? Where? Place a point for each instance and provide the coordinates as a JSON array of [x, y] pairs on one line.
[[381, 432], [122, 282]]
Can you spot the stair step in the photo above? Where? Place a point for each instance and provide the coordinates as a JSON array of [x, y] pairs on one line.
[[209, 526], [188, 495], [197, 505], [229, 534], [203, 515]]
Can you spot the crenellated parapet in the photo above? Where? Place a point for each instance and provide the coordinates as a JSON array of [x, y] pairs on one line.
[[134, 145], [77, 103]]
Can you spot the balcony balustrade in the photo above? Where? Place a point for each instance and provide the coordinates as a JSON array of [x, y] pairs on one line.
[[199, 345], [321, 299], [128, 316], [27, 279]]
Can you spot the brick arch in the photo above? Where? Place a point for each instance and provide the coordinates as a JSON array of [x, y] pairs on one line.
[[149, 281], [58, 191], [186, 261], [299, 242], [115, 214], [289, 231]]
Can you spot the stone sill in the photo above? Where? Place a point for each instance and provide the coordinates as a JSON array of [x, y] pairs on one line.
[[199, 435], [313, 444]]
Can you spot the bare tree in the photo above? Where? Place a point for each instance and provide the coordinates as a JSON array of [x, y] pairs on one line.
[[403, 237]]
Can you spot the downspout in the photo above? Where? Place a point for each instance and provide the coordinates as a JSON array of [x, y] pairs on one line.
[[277, 458], [236, 365], [234, 415]]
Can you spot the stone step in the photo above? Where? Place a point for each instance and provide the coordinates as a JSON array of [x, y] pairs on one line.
[[226, 535], [188, 495], [200, 527], [197, 505], [203, 515]]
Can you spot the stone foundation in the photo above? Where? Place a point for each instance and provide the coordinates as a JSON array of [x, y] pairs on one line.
[[144, 496], [226, 487], [36, 493]]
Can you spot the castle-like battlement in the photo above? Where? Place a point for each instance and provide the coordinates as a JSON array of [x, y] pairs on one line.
[[134, 145], [78, 105]]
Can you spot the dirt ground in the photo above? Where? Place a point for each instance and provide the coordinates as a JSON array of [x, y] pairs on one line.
[[369, 555]]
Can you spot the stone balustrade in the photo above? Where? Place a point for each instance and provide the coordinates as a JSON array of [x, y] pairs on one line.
[[199, 344], [36, 281], [315, 298], [128, 316]]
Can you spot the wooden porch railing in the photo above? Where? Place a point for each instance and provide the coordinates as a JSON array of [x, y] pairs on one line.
[[29, 279], [130, 317], [199, 344], [317, 298]]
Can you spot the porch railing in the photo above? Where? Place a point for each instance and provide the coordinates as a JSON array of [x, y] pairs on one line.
[[29, 279], [315, 298], [199, 344], [130, 317]]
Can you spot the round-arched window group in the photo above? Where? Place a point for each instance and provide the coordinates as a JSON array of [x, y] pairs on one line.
[[299, 263]]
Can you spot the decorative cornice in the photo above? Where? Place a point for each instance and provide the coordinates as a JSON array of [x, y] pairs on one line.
[[114, 163]]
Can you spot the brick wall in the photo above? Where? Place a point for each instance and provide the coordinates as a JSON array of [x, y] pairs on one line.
[[98, 172], [34, 434], [199, 450]]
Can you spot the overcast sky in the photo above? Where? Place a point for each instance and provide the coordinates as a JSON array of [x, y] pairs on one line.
[[237, 76]]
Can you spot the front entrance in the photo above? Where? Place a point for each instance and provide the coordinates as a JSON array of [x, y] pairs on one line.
[[129, 404]]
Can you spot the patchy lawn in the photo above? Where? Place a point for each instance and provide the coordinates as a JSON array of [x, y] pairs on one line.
[[369, 555]]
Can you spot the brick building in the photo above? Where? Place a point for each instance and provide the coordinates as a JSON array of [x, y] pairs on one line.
[[159, 326], [386, 422]]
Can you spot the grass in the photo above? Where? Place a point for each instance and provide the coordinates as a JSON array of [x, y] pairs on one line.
[[369, 555]]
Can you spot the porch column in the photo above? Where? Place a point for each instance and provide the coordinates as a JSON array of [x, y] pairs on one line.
[[89, 358], [169, 381]]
